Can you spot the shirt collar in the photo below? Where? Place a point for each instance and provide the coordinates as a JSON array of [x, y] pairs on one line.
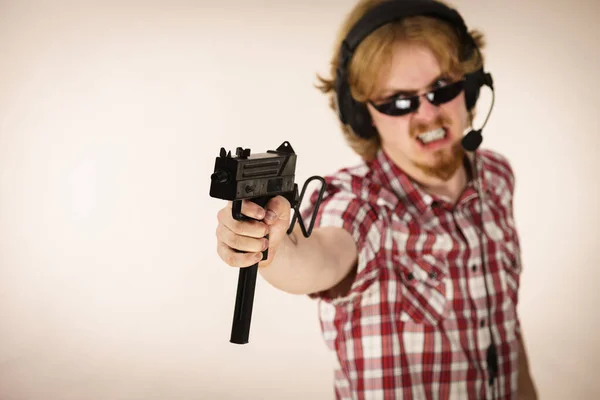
[[405, 189]]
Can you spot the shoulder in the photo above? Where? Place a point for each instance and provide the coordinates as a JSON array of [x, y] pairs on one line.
[[498, 169], [360, 183], [352, 198], [352, 179], [349, 201]]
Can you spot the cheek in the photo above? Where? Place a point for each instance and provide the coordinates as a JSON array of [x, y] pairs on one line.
[[391, 129], [457, 110]]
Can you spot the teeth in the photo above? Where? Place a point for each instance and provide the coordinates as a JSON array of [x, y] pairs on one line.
[[430, 136]]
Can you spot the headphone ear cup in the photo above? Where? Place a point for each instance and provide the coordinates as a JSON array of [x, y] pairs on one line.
[[353, 113], [471, 94], [474, 80], [360, 121], [473, 85]]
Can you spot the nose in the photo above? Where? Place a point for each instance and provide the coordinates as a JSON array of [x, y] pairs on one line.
[[426, 111]]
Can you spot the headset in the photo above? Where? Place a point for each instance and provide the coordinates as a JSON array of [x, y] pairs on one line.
[[356, 115]]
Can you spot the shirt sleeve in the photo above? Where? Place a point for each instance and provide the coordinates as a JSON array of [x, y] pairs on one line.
[[346, 205]]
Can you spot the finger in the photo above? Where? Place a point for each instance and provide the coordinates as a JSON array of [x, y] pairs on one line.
[[235, 259], [277, 208], [251, 228], [242, 243], [249, 209], [252, 210], [271, 255]]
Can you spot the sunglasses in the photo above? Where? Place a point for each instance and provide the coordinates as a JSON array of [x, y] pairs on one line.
[[402, 105]]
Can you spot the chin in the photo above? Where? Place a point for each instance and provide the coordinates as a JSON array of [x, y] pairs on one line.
[[442, 163]]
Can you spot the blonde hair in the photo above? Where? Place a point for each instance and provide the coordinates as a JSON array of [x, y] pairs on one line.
[[374, 54]]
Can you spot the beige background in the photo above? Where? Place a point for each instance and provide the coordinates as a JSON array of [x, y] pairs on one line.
[[111, 115]]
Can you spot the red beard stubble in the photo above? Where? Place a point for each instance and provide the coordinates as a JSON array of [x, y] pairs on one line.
[[447, 161]]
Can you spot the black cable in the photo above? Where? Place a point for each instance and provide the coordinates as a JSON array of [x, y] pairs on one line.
[[296, 208], [491, 353]]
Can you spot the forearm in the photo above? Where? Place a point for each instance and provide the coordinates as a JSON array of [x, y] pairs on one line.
[[308, 265]]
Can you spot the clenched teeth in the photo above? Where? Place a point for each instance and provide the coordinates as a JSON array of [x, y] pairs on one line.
[[433, 135]]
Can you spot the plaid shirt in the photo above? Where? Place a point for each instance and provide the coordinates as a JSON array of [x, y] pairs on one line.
[[414, 324]]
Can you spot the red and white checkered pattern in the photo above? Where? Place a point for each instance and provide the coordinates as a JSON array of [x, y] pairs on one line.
[[415, 324]]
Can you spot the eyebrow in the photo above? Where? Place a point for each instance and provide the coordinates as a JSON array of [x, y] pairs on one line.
[[391, 93]]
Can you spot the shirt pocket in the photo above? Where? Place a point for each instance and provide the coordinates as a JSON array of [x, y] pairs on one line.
[[423, 282]]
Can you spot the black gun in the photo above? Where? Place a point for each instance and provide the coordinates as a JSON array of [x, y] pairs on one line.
[[259, 178]]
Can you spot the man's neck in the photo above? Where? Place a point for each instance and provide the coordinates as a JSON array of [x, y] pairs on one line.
[[449, 190]]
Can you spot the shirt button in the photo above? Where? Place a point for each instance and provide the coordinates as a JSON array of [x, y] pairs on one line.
[[482, 323], [474, 268], [410, 276], [433, 275]]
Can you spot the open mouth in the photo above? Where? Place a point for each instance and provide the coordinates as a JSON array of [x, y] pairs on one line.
[[434, 136]]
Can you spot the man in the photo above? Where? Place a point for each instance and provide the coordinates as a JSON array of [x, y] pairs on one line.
[[417, 281]]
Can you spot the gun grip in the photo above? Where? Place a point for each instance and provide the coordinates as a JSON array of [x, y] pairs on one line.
[[242, 315], [236, 213]]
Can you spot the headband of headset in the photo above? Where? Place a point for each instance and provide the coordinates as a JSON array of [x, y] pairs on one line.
[[355, 114]]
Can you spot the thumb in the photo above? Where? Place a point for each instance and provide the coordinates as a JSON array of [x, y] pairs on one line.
[[278, 212], [278, 219]]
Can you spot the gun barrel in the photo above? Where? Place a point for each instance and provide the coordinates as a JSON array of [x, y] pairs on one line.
[[220, 176]]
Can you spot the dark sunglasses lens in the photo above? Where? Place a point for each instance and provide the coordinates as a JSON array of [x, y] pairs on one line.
[[445, 93], [398, 107]]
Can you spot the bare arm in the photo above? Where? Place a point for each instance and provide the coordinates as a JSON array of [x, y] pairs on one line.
[[325, 260]]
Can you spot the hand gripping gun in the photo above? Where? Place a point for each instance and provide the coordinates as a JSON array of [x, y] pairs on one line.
[[257, 177]]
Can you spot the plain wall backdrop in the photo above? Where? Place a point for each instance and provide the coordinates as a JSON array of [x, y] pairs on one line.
[[111, 116]]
